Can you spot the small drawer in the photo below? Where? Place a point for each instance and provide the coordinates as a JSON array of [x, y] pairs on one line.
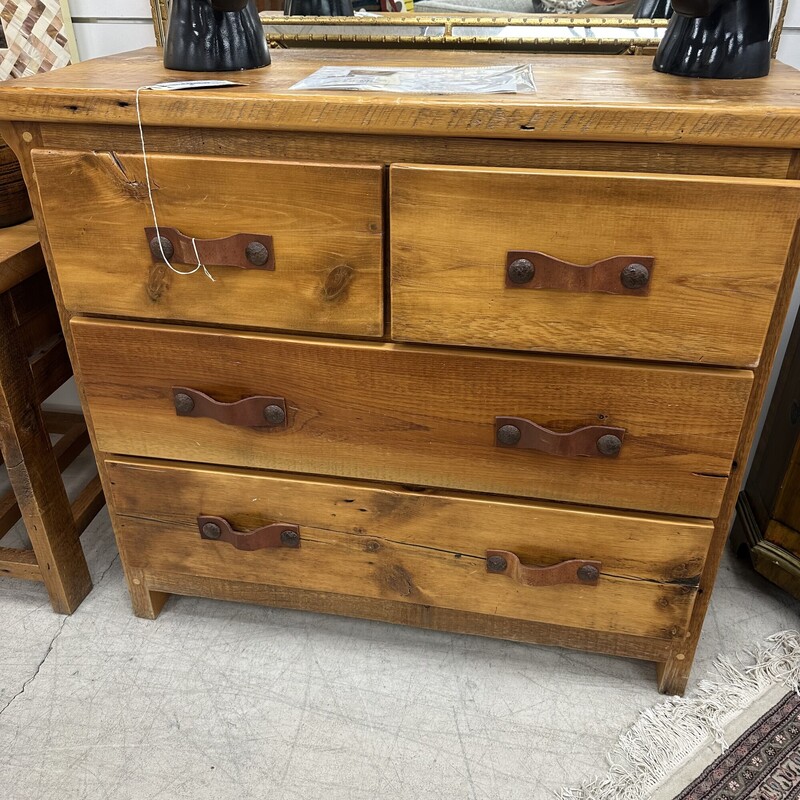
[[574, 567], [290, 246], [610, 434], [656, 267]]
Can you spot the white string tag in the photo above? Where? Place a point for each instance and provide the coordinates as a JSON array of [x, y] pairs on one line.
[[171, 86]]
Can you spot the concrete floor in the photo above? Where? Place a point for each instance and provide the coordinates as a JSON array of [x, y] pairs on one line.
[[218, 700]]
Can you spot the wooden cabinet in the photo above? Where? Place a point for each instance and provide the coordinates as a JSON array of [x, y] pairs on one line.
[[480, 364], [767, 526]]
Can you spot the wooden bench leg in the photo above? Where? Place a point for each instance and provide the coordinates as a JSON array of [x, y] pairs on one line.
[[35, 476]]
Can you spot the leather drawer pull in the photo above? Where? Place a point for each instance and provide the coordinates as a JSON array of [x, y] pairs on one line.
[[244, 250], [278, 534], [252, 412], [593, 440], [503, 562], [528, 269]]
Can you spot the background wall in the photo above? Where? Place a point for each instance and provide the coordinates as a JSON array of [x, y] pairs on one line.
[[113, 26], [789, 51]]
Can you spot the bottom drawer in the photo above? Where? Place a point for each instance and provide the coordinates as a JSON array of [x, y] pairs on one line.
[[389, 543]]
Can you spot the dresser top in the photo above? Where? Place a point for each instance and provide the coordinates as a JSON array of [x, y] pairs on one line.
[[578, 97]]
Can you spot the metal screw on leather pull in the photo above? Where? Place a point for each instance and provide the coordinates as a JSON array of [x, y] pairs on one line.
[[162, 250], [496, 564], [521, 271], [275, 415], [509, 434], [635, 276], [211, 530], [183, 403], [609, 445]]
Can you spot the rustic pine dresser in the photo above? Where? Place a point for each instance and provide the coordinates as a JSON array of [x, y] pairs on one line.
[[488, 364]]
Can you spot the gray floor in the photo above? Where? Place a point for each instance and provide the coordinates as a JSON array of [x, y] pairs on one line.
[[218, 700]]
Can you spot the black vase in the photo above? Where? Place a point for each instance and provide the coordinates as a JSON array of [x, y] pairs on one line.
[[215, 36], [716, 39], [318, 8]]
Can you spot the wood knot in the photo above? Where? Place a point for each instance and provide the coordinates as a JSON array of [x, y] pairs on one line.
[[397, 579], [372, 546], [157, 281], [686, 573], [137, 190], [336, 284]]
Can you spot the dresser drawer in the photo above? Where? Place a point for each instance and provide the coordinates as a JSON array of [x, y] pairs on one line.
[[638, 574], [654, 267], [318, 226], [415, 415]]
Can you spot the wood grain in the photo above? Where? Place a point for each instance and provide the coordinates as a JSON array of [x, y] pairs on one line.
[[365, 148], [88, 504], [15, 207], [72, 442], [35, 477], [19, 564], [153, 589], [326, 224], [767, 524], [778, 565], [20, 254], [37, 327], [587, 114], [720, 247], [416, 415], [24, 139], [590, 98], [673, 674], [787, 508], [410, 547], [34, 312], [784, 536], [89, 501]]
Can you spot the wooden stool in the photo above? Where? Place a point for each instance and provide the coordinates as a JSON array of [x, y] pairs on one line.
[[33, 364]]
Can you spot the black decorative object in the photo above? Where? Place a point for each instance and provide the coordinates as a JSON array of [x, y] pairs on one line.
[[215, 36], [318, 8], [716, 39], [653, 9]]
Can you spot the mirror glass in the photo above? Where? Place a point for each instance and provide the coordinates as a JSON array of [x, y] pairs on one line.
[[609, 26]]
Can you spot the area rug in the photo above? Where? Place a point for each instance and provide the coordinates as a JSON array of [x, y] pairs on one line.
[[737, 737]]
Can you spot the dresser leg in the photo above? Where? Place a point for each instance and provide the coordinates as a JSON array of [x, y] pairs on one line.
[[146, 604], [673, 674]]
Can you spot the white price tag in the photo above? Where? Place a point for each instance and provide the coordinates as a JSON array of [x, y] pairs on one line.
[[177, 86]]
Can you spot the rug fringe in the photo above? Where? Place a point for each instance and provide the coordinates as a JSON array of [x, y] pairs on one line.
[[666, 735]]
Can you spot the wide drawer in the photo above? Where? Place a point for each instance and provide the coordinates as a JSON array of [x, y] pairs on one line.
[[316, 264], [654, 267], [415, 415], [392, 544]]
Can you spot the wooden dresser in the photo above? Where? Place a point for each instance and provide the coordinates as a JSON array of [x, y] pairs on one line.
[[484, 364]]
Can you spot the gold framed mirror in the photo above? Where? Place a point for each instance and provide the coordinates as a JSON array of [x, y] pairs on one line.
[[577, 33], [595, 33]]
